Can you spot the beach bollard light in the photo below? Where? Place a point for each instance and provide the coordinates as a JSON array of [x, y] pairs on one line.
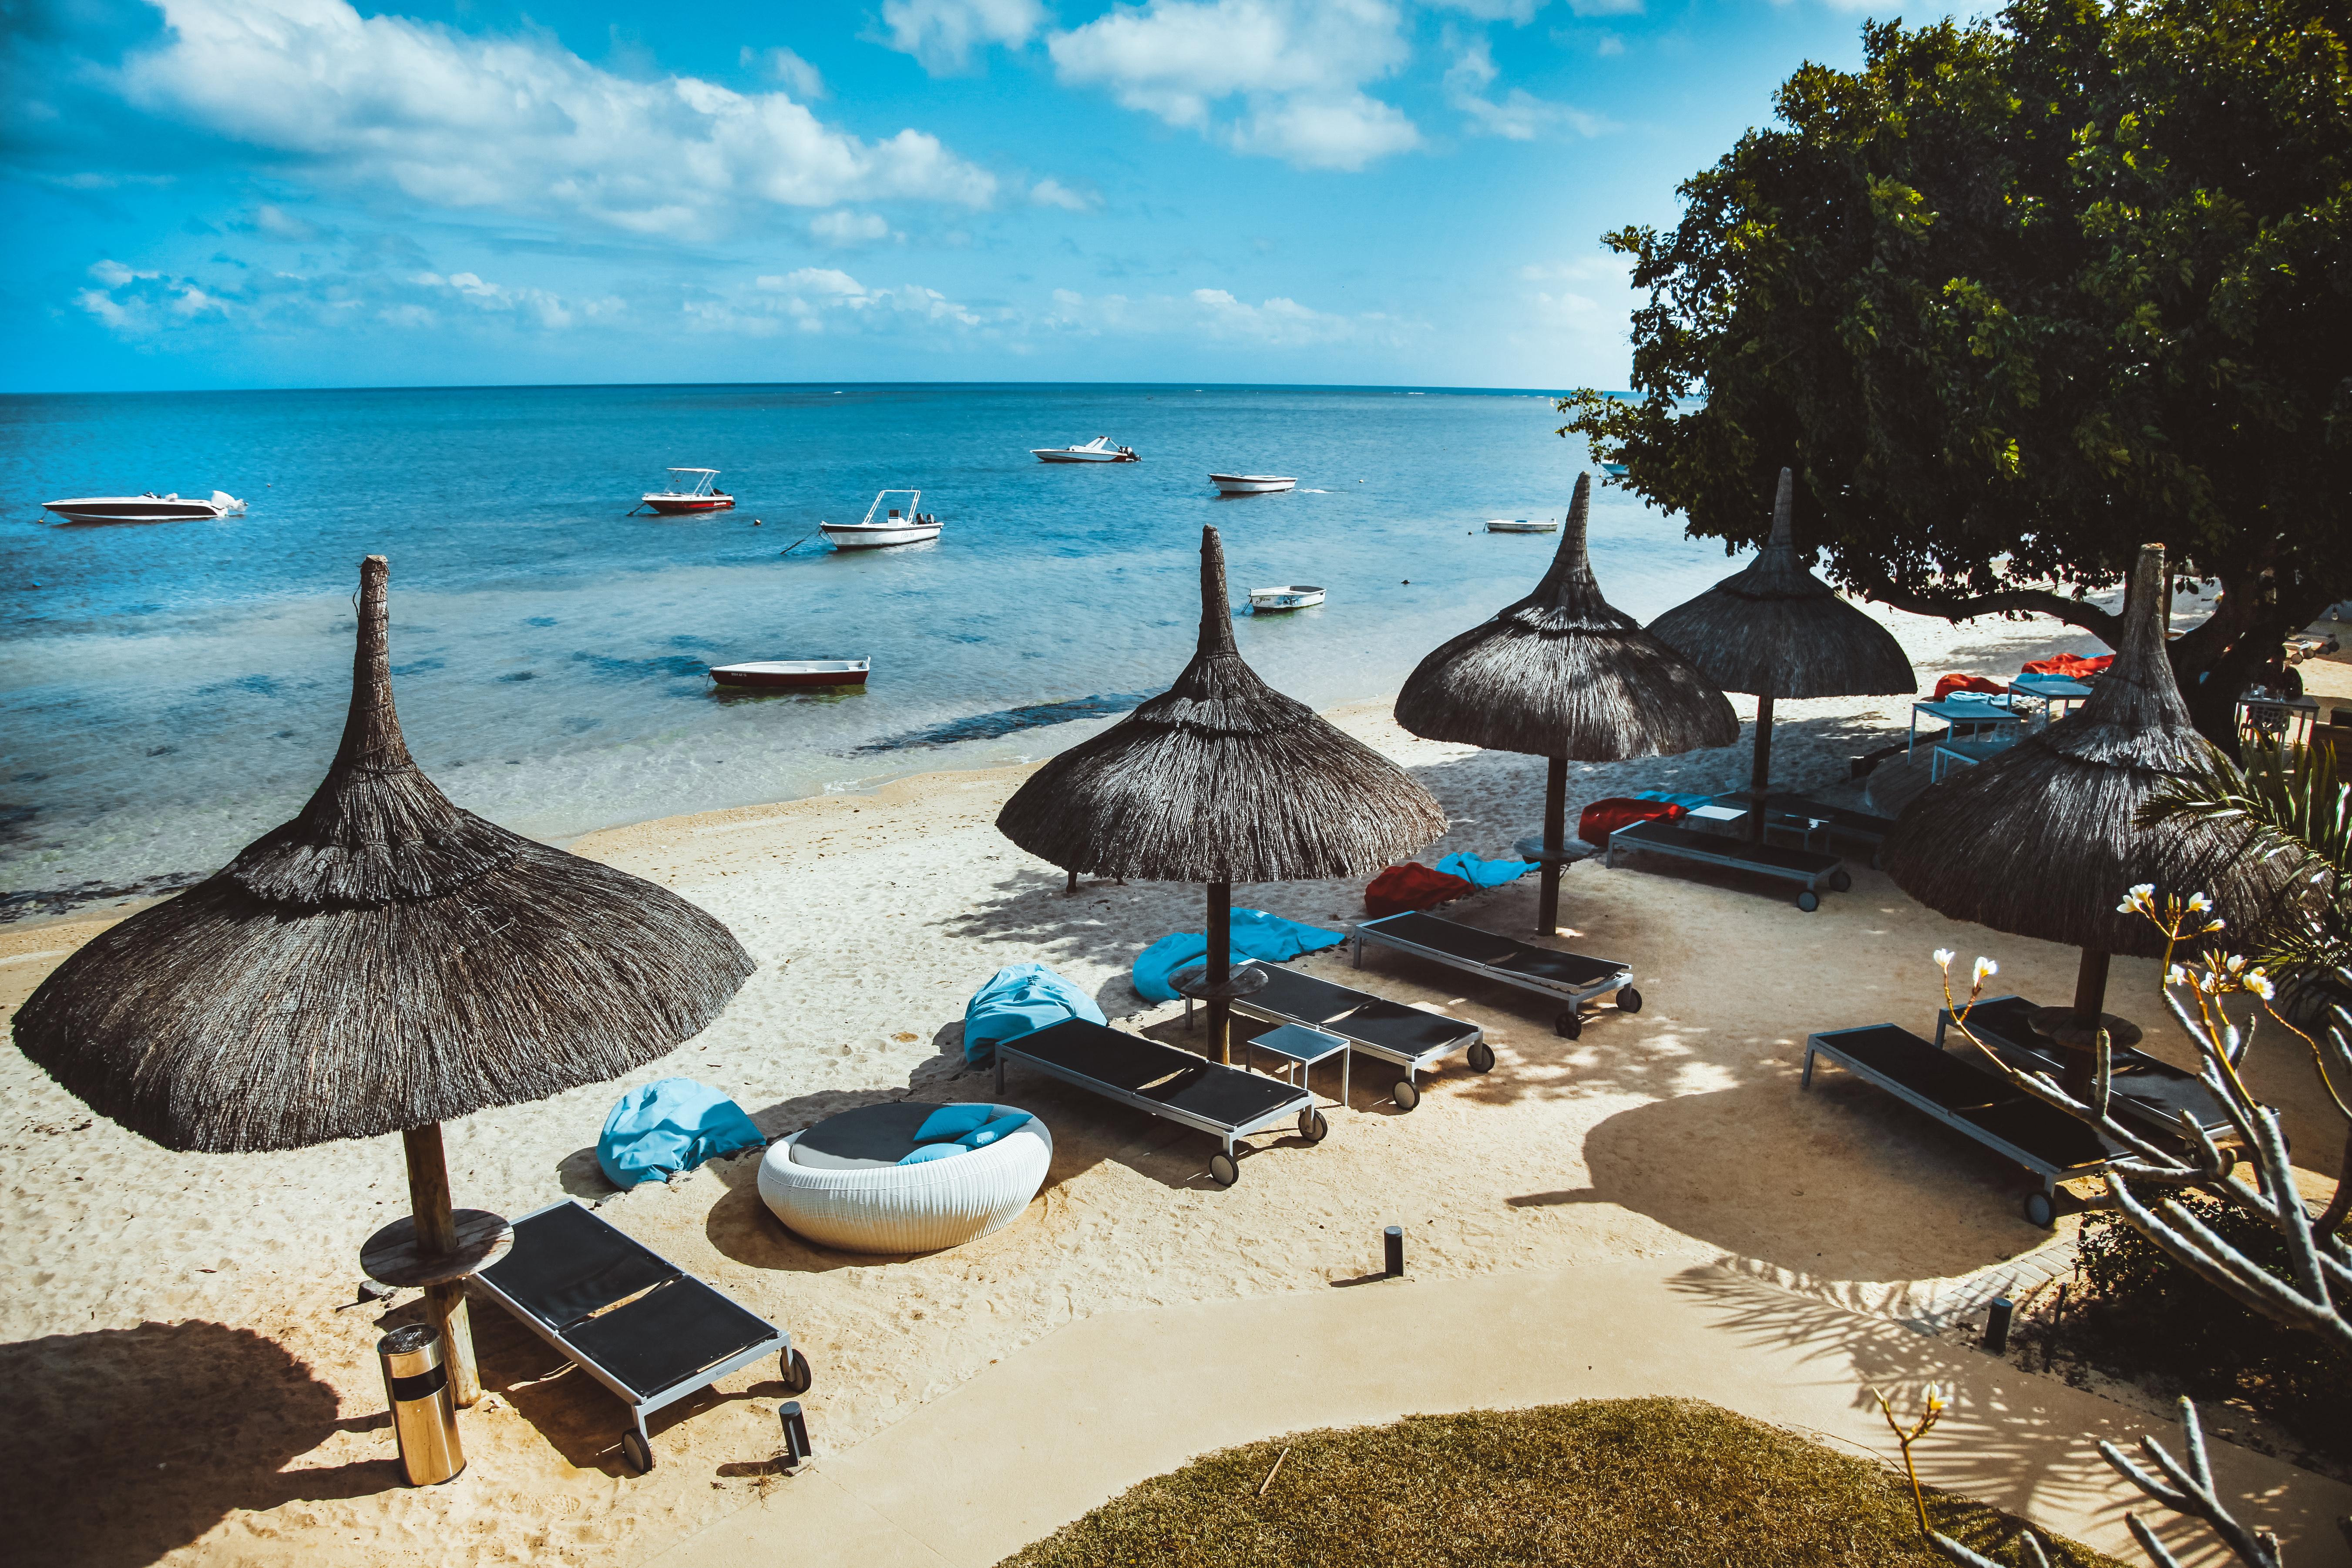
[[424, 1415], [796, 1437], [1393, 1244], [1995, 1336]]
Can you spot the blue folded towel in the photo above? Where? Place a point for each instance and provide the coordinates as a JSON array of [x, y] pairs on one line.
[[1688, 802], [1483, 873], [671, 1124], [1256, 934], [1021, 999]]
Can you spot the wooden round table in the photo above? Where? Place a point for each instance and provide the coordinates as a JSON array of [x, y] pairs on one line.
[[391, 1256]]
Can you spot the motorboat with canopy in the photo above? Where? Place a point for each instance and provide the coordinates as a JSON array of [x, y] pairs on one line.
[[693, 490]]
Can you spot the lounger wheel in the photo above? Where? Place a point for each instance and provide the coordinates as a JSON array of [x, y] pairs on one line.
[[1407, 1093], [1482, 1058], [1840, 880], [1222, 1170], [1628, 999], [1568, 1025], [1809, 901], [798, 1378], [1313, 1126], [637, 1452], [2038, 1210]]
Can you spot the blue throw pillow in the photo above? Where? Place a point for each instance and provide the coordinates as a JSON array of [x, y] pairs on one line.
[[981, 1137], [953, 1121], [932, 1152]]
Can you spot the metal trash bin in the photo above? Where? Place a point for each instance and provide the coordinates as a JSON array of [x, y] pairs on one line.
[[424, 1415]]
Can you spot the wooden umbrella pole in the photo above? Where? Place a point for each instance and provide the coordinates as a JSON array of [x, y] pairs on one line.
[[1219, 971], [2091, 984], [1555, 835], [436, 1233], [1759, 781]]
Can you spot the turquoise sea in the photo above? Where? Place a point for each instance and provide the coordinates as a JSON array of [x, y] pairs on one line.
[[170, 690]]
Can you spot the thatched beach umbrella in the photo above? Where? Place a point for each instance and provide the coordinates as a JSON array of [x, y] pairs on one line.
[[2039, 839], [1774, 629], [1563, 674], [382, 964], [1221, 779]]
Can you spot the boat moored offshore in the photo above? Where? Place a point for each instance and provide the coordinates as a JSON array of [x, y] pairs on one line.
[[901, 525], [147, 508], [1098, 450], [696, 490], [1292, 596], [1251, 484], [1521, 525], [783, 672]]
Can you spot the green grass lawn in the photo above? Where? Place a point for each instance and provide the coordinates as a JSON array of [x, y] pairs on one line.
[[1641, 1483]]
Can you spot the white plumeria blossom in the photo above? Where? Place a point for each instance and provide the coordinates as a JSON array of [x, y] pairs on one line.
[[1985, 966], [2199, 903], [2260, 985], [1944, 956]]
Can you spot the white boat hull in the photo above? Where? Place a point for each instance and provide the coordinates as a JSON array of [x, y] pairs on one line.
[[1251, 484], [860, 536], [1521, 525], [144, 509], [1293, 596]]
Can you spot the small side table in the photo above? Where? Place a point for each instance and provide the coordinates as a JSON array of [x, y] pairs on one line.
[[1299, 1048], [1950, 754], [1979, 720]]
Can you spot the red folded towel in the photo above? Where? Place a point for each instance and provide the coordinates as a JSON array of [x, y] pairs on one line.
[[1411, 886], [1957, 682], [1603, 817], [2074, 666]]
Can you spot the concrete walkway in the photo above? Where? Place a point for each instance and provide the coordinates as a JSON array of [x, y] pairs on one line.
[[1088, 1411]]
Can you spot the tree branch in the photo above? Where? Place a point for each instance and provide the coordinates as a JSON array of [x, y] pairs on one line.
[[2099, 622]]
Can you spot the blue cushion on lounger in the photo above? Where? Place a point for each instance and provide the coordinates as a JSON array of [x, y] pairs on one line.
[[933, 1152], [981, 1137], [951, 1121]]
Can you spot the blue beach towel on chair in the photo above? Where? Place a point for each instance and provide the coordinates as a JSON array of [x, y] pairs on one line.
[[1021, 999], [670, 1125], [1483, 873], [1256, 934]]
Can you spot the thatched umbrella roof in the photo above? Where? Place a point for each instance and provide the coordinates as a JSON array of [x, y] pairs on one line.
[[1774, 629], [1221, 778], [1563, 673], [383, 961], [2039, 840]]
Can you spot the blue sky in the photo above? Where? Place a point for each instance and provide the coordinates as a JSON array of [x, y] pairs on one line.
[[293, 192]]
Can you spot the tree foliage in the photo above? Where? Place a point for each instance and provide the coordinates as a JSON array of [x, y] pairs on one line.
[[2014, 298]]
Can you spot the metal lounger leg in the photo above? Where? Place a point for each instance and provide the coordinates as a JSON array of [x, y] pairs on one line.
[[1806, 1080], [999, 1055]]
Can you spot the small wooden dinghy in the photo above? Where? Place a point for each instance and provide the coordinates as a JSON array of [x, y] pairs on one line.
[[1294, 596], [1251, 484], [794, 672], [1521, 525]]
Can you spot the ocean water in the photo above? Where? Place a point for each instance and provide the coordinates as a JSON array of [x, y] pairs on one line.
[[170, 690]]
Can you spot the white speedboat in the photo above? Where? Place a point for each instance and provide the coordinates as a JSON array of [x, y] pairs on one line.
[[897, 525], [1293, 596], [1251, 484], [148, 508], [697, 489], [1098, 450], [1521, 525], [794, 672]]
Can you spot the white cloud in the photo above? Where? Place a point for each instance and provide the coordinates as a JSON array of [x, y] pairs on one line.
[[1298, 67], [843, 229], [516, 123], [1518, 13], [1050, 193], [1624, 7], [799, 77], [135, 303], [1518, 115], [942, 34], [1214, 315], [145, 305], [824, 300]]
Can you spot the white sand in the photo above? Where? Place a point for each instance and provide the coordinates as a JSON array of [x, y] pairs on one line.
[[169, 1322]]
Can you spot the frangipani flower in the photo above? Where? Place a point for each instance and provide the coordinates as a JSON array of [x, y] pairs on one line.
[[1944, 956], [1985, 966], [2260, 985]]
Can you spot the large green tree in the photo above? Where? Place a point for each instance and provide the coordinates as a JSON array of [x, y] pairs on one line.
[[2014, 298]]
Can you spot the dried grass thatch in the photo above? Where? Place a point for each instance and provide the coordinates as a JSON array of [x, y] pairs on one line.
[[2039, 840], [1561, 673], [383, 961], [1774, 629], [1221, 779]]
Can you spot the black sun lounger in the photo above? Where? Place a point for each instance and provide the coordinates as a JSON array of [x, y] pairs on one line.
[[1973, 1100], [628, 1317], [1373, 1026], [1568, 978], [1809, 867], [1165, 1082], [2147, 1091], [1814, 818]]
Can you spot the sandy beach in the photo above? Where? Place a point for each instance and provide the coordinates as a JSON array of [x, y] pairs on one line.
[[179, 1327]]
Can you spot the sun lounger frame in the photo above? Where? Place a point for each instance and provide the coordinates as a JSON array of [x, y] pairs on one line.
[[1292, 1109], [1619, 977], [2040, 1207], [2164, 1122], [1472, 1038], [777, 1344], [1786, 811], [1657, 836]]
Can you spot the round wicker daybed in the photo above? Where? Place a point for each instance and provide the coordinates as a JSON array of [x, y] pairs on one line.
[[839, 1183]]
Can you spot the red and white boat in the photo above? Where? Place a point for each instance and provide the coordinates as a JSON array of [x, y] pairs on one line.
[[696, 491], [794, 672]]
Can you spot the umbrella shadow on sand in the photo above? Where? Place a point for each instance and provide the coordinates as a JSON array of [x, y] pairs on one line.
[[161, 1432]]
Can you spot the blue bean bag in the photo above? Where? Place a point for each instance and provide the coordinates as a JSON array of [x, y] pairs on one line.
[[1020, 999], [1256, 934], [670, 1125]]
